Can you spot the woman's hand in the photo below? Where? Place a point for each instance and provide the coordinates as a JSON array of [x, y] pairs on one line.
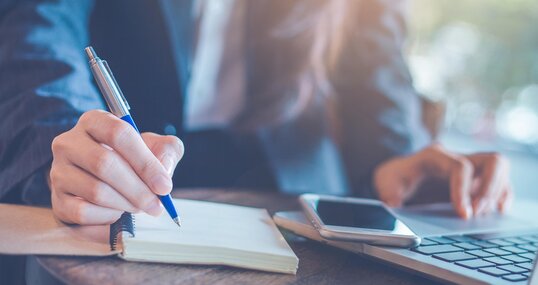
[[478, 183], [103, 167]]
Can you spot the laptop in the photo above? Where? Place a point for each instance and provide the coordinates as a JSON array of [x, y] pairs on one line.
[[492, 249]]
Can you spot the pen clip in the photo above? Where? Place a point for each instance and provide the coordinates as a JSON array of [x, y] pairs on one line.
[[116, 84]]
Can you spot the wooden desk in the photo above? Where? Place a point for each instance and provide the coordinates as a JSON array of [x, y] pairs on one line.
[[318, 264]]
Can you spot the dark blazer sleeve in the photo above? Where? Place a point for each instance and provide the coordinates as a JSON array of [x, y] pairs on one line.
[[44, 84], [379, 108]]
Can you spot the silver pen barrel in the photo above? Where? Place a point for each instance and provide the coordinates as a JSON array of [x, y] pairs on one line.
[[107, 84]]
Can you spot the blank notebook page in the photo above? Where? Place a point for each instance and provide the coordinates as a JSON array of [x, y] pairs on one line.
[[211, 233]]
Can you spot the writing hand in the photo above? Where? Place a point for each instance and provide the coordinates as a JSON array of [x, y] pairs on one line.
[[103, 167]]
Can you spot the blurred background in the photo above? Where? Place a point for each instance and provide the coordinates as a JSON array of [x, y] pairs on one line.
[[477, 61]]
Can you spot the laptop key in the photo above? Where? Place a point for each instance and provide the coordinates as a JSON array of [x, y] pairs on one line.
[[528, 255], [530, 238], [528, 247], [494, 271], [523, 240], [497, 260], [515, 258], [500, 242], [458, 238], [515, 240], [426, 242], [433, 249], [514, 277], [466, 245], [513, 249], [497, 251], [526, 265], [475, 263], [513, 268], [484, 244], [480, 253], [440, 240], [454, 256]]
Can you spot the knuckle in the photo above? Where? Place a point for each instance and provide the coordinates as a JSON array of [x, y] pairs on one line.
[[463, 165], [435, 147], [104, 162], [79, 214], [89, 116], [55, 177], [149, 167], [141, 202], [146, 202], [498, 159], [117, 132], [58, 144], [84, 117], [97, 193]]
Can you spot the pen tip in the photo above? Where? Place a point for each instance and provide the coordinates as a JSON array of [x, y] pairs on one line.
[[177, 221]]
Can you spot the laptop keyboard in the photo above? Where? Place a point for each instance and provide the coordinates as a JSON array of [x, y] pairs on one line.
[[508, 257]]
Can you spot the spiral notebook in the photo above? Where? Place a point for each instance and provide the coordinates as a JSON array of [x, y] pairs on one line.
[[211, 233]]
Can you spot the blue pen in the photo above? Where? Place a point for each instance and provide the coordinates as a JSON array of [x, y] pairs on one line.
[[119, 107]]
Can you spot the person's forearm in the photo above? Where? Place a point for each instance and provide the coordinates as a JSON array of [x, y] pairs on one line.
[[44, 83], [378, 106]]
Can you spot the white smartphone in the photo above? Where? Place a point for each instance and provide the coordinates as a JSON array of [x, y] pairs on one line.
[[354, 219]]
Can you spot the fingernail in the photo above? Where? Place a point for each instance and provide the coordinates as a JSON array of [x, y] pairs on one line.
[[505, 207], [155, 208], [481, 207], [161, 184], [168, 164], [468, 211]]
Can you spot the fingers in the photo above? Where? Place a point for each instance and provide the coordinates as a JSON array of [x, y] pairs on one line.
[[109, 167], [103, 167], [506, 199], [461, 176], [396, 180], [122, 137], [458, 170], [479, 183], [78, 182], [492, 170], [71, 209], [168, 149], [392, 195]]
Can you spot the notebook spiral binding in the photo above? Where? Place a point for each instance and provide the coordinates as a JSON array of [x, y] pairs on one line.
[[125, 223]]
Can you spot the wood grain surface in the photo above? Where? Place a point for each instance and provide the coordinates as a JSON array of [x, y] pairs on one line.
[[318, 264]]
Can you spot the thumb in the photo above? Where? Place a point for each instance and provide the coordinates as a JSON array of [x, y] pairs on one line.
[[168, 149], [395, 181], [169, 163], [395, 200]]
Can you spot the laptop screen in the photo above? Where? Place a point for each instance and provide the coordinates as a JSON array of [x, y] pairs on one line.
[[534, 277]]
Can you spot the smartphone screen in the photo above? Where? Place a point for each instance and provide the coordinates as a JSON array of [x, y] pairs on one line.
[[353, 215], [366, 216]]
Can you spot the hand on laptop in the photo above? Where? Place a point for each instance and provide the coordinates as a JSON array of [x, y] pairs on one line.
[[102, 167], [478, 183]]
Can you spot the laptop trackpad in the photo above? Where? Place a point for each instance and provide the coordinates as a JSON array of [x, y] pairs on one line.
[[440, 219]]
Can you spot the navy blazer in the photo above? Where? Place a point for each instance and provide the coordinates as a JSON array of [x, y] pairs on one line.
[[45, 85]]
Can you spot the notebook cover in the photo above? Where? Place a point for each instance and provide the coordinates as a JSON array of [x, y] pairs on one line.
[[33, 230]]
